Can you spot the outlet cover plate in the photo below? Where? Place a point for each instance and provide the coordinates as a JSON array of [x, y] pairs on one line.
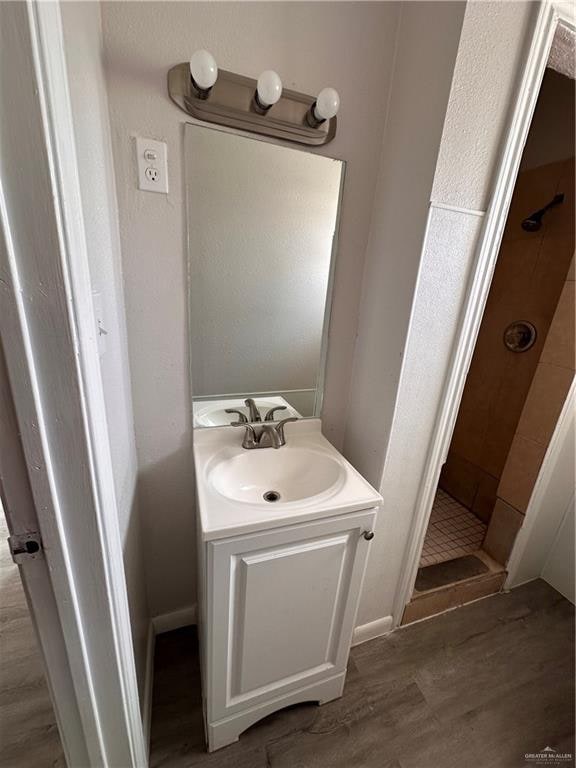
[[152, 161]]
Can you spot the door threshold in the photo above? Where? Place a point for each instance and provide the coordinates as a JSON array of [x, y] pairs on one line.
[[429, 602]]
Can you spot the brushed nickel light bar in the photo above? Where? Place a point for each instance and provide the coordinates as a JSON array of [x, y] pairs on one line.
[[261, 106]]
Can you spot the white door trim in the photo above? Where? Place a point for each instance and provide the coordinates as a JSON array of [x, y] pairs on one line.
[[48, 335], [16, 495], [549, 15]]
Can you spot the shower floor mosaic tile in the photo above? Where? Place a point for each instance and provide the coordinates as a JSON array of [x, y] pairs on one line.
[[453, 531]]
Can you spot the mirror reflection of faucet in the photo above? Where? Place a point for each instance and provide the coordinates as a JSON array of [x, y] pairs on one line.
[[258, 434]]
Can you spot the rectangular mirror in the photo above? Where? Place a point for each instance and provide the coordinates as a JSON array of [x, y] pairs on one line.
[[262, 226]]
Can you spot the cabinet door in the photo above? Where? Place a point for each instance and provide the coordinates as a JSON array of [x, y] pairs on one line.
[[282, 609]]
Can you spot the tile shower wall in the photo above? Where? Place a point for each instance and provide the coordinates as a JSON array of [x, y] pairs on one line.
[[548, 391], [528, 283]]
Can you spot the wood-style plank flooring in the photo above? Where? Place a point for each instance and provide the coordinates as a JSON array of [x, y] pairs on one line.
[[28, 734], [478, 687]]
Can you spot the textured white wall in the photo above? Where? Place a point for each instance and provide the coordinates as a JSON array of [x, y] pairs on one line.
[[83, 40], [428, 32], [491, 51], [347, 45], [261, 223], [352, 47], [409, 366], [433, 327]]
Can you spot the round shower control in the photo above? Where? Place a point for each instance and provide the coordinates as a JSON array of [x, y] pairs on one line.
[[520, 336]]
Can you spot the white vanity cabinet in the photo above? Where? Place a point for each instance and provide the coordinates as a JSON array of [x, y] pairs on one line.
[[278, 615]]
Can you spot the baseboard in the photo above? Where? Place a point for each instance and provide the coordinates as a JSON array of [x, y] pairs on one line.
[[166, 622], [148, 685], [373, 629]]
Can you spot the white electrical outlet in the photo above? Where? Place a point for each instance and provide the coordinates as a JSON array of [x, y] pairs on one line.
[[152, 162]]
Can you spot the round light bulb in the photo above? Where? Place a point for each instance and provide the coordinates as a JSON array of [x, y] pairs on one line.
[[203, 69], [327, 104], [269, 88]]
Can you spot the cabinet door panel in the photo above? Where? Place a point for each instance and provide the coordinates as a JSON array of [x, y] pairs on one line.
[[284, 611], [284, 606]]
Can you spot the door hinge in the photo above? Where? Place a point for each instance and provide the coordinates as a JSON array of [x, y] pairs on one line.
[[25, 546]]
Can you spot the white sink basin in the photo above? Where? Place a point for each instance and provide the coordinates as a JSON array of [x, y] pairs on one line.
[[311, 478], [269, 476]]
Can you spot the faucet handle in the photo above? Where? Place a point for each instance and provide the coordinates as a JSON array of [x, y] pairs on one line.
[[243, 417], [285, 421], [280, 426], [250, 440], [271, 412]]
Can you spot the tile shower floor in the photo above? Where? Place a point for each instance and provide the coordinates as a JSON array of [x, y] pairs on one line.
[[453, 531]]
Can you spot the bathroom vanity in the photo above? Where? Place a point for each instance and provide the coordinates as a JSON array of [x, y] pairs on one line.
[[284, 521], [279, 581]]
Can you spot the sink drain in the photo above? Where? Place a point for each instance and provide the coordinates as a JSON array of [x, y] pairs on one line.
[[271, 496]]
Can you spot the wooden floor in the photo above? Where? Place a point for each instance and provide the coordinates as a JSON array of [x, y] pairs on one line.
[[478, 687], [28, 734]]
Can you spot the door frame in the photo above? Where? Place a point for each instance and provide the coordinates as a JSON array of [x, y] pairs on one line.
[[59, 448], [551, 13], [20, 512]]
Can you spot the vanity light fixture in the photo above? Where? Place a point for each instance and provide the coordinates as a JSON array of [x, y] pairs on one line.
[[203, 73], [325, 107], [268, 91], [214, 95]]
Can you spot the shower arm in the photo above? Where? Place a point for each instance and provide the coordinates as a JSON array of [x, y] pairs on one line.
[[533, 222]]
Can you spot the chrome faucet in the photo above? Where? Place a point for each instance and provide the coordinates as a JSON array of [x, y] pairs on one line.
[[253, 411], [269, 434]]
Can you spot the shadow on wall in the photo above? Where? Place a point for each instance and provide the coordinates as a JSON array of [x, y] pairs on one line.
[[134, 567], [165, 490]]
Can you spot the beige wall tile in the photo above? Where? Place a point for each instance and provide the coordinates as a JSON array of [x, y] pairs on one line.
[[432, 603], [560, 345], [470, 485], [485, 497], [507, 408], [436, 601], [564, 214], [549, 277], [528, 282], [520, 472], [501, 534], [460, 479], [534, 188], [544, 402], [514, 266], [572, 270]]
